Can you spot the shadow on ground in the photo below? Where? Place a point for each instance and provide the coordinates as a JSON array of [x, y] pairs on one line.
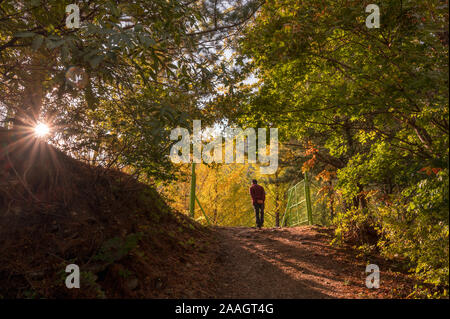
[[295, 263]]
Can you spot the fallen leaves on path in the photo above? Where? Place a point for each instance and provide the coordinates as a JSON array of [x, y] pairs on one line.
[[295, 262]]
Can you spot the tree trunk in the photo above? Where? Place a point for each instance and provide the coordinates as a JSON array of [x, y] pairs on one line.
[[362, 198]]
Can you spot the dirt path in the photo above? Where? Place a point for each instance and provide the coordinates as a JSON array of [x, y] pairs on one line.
[[295, 263]]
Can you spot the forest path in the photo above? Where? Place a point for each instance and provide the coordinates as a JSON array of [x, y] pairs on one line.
[[293, 262]]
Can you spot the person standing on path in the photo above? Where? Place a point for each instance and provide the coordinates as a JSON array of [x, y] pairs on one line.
[[258, 197]]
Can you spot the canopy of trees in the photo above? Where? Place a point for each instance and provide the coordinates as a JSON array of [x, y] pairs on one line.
[[141, 67]]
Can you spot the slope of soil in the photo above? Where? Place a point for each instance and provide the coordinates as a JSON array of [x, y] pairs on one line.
[[56, 211], [296, 263]]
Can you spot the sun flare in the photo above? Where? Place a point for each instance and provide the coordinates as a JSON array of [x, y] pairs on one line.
[[41, 130]]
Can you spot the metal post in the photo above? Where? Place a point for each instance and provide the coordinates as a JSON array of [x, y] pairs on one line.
[[297, 208], [192, 197], [285, 219], [308, 199], [204, 214]]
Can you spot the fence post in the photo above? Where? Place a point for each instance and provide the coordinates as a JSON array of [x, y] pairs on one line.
[[308, 199], [204, 214], [192, 198], [285, 218]]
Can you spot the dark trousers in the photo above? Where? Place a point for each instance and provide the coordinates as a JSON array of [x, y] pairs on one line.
[[259, 214]]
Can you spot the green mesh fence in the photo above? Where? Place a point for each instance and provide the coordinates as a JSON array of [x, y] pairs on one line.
[[296, 212]]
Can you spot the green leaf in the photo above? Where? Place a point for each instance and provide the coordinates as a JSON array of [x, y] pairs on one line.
[[37, 42], [25, 34], [95, 61], [54, 44]]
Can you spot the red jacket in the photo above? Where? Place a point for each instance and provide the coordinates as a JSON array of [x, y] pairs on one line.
[[257, 192]]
